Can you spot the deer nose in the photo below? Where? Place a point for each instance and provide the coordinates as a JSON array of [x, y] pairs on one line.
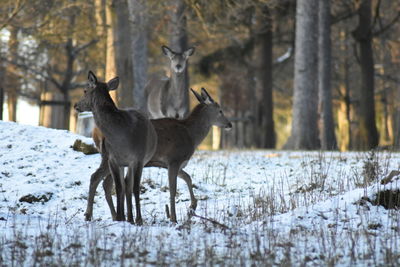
[[178, 66], [176, 116], [228, 126]]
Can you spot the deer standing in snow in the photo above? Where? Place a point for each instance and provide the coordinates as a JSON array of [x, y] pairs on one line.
[[167, 97], [130, 141], [177, 141]]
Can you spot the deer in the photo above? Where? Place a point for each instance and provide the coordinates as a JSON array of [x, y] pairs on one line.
[[177, 141], [129, 139], [167, 97]]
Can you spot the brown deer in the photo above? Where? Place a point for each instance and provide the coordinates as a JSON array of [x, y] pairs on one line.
[[167, 97], [130, 141], [177, 140]]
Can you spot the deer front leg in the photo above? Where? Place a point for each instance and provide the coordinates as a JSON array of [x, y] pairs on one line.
[[118, 178], [128, 193], [173, 170], [107, 186], [136, 192], [186, 177], [95, 179]]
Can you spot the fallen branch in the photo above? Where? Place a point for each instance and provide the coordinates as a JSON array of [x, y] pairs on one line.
[[223, 226]]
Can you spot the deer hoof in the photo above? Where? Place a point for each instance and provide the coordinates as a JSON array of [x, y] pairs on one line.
[[88, 217]]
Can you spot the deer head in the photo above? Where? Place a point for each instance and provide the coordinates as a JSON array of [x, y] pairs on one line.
[[178, 60], [95, 91], [215, 114]]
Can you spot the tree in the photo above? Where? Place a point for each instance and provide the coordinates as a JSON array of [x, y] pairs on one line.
[[12, 79], [138, 21], [123, 52], [304, 133], [327, 129], [263, 79], [367, 131]]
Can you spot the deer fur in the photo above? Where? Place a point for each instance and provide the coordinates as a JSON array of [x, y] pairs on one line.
[[177, 141], [167, 96], [129, 139]]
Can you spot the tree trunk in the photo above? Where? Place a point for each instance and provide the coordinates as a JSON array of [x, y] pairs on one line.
[[265, 134], [179, 39], [396, 119], [327, 129], [122, 45], [304, 133], [101, 29], [137, 14], [110, 64], [1, 101], [12, 79], [368, 133]]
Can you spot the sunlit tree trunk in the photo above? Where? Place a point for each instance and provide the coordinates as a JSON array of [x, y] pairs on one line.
[[101, 30], [304, 133], [12, 79], [368, 134], [110, 64]]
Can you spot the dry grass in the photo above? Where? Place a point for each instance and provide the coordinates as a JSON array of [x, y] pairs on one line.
[[251, 234]]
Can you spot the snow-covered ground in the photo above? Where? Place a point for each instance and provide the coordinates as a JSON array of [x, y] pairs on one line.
[[255, 207]]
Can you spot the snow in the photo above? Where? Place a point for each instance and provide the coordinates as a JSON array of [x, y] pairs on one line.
[[255, 207]]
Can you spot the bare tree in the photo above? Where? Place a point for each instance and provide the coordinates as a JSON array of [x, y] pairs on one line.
[[327, 129], [304, 133], [123, 48], [367, 132], [263, 73], [138, 17], [12, 79]]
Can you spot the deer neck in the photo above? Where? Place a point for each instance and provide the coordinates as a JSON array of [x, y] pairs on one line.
[[198, 124], [105, 113], [177, 84]]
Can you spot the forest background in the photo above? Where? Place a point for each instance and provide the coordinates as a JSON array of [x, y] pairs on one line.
[[303, 74]]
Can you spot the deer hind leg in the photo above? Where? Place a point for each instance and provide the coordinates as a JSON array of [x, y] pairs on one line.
[[128, 193], [173, 170], [136, 192], [95, 179], [186, 177], [107, 186], [116, 173]]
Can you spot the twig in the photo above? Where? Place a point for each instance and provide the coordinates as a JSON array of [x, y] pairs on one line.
[[223, 226], [73, 215]]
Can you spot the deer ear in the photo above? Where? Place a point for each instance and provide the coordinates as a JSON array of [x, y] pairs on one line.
[[113, 84], [207, 98], [189, 52], [167, 51], [92, 80], [199, 98]]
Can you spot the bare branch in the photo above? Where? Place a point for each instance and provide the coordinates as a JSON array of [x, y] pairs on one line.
[[388, 26], [78, 49], [18, 7]]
